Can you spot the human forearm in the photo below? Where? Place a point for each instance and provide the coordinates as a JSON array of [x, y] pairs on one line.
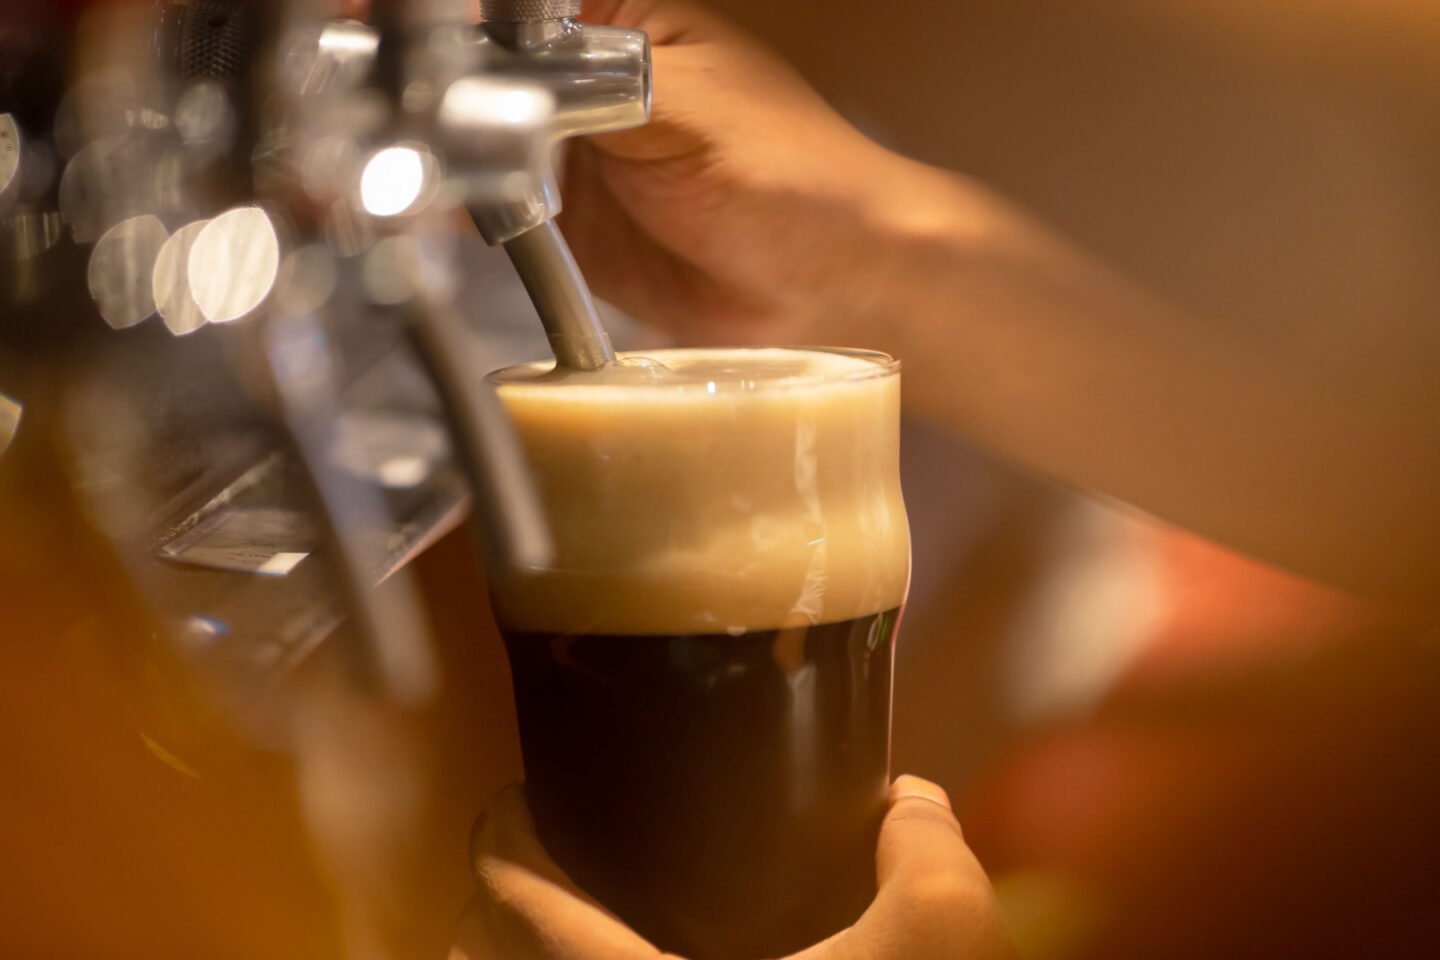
[[1316, 446], [749, 212]]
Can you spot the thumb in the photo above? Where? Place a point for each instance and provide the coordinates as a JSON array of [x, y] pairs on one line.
[[920, 839], [934, 898], [526, 908]]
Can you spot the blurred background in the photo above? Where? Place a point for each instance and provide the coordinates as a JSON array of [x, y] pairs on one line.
[[1158, 747]]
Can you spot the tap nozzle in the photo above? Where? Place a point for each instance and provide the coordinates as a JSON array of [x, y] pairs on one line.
[[600, 78]]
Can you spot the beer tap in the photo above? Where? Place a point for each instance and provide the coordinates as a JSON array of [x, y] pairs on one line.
[[389, 644], [390, 652], [449, 131], [601, 81], [489, 134], [239, 109]]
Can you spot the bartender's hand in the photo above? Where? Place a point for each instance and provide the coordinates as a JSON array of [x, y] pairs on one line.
[[934, 901], [747, 210], [750, 212]]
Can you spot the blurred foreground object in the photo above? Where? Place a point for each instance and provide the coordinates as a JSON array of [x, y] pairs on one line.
[[230, 289]]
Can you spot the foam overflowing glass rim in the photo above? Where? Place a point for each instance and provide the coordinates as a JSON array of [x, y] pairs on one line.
[[632, 372]]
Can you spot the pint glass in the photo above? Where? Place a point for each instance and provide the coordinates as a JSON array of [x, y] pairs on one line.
[[703, 673]]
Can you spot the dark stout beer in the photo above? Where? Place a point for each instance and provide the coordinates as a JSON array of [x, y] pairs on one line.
[[713, 788], [703, 675]]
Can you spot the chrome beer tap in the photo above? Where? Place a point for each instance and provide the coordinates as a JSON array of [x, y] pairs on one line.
[[600, 78], [210, 170], [596, 79], [455, 134], [300, 366]]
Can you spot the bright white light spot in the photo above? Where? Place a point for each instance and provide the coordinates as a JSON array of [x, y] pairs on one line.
[[344, 39], [207, 628], [392, 181], [404, 472], [479, 102], [710, 388], [517, 106], [120, 267], [280, 564], [233, 264], [170, 281], [398, 450]]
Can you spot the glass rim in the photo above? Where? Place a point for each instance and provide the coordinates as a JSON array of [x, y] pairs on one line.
[[881, 365]]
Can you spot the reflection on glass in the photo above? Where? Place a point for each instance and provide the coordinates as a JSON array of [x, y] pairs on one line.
[[233, 264], [120, 269], [344, 39]]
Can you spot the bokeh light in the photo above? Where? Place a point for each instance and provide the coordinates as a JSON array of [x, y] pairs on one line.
[[393, 180], [233, 264], [170, 281], [120, 270]]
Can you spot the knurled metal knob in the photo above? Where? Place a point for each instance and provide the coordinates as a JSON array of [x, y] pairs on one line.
[[528, 11]]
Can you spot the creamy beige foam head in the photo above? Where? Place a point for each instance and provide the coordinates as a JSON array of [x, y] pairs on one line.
[[711, 491]]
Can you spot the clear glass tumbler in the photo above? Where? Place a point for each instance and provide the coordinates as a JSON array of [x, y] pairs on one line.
[[703, 674]]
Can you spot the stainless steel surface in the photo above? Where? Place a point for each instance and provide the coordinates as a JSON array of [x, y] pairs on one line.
[[545, 78], [290, 154], [498, 131], [488, 137], [393, 656], [510, 523], [250, 482], [216, 39], [600, 78], [495, 136], [528, 11], [562, 298]]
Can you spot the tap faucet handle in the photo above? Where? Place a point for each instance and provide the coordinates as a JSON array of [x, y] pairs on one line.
[[495, 135], [528, 11], [599, 77]]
